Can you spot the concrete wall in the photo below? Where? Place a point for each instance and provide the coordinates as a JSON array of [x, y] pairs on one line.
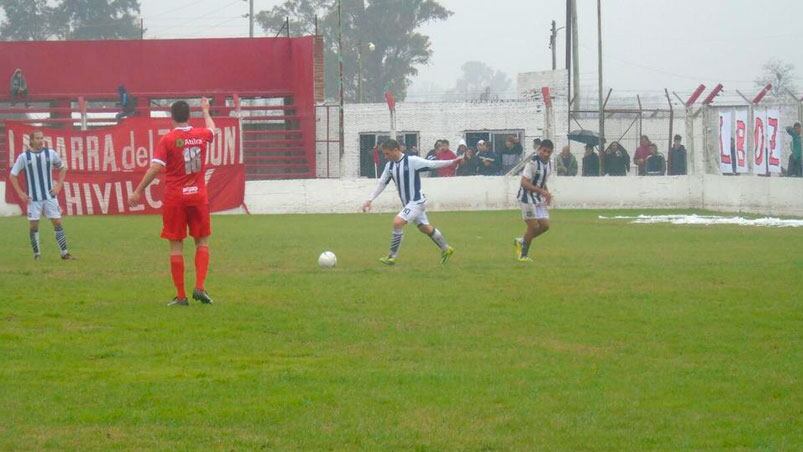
[[761, 195]]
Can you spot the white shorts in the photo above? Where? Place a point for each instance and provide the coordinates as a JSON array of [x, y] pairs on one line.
[[50, 207], [414, 212], [538, 211]]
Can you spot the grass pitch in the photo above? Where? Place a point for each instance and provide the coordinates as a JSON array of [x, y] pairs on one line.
[[619, 336]]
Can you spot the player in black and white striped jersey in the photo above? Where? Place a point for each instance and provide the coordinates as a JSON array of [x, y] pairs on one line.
[[534, 197], [38, 163], [405, 171]]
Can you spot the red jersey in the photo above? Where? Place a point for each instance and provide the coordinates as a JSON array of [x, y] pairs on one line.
[[447, 171], [183, 153]]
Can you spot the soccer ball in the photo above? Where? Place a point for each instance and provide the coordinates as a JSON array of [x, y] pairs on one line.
[[327, 259]]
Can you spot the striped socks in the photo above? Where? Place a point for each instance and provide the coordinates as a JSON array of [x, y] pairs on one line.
[[34, 234], [61, 239], [439, 240], [525, 247], [395, 242]]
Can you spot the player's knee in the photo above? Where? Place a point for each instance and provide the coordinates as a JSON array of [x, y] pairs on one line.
[[398, 223], [544, 227], [34, 228]]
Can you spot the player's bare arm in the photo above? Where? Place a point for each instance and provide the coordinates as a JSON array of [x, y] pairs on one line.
[[16, 184], [529, 186], [135, 197], [210, 123], [60, 183]]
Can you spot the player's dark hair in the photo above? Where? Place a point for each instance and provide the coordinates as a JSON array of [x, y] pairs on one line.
[[180, 111], [547, 144], [797, 124], [678, 137], [390, 145]]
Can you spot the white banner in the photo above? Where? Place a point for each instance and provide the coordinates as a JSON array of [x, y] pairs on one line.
[[774, 140], [740, 135], [759, 142], [725, 160]]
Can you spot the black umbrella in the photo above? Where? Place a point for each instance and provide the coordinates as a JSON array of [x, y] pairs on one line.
[[585, 136]]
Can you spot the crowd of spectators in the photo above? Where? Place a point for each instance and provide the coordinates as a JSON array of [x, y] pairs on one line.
[[481, 159], [647, 160]]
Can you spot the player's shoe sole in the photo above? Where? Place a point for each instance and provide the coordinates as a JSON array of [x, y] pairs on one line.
[[179, 302], [525, 259], [387, 260], [68, 257], [202, 296], [446, 254]]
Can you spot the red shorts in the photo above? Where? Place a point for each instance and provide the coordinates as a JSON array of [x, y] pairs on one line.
[[176, 219]]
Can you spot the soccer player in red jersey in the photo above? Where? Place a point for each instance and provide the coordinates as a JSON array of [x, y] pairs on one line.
[[182, 154]]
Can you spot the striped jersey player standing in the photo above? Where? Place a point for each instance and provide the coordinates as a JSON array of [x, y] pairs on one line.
[[405, 171], [534, 197], [182, 155], [38, 163]]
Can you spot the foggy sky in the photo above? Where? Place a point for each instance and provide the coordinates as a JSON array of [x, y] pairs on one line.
[[648, 45]]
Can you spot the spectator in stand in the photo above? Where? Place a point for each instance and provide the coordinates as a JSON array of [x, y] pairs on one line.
[[590, 162], [470, 166], [566, 162], [512, 153], [461, 147], [795, 168], [431, 156], [444, 153], [656, 163], [431, 153], [642, 152], [127, 103], [489, 161], [18, 88], [616, 161], [677, 157]]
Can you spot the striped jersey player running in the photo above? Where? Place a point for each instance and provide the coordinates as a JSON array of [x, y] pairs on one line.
[[405, 171], [534, 197], [38, 163]]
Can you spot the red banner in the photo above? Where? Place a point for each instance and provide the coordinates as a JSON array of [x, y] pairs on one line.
[[105, 165]]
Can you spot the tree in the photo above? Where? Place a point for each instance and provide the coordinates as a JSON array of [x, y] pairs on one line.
[[98, 19], [26, 20], [479, 82], [780, 74], [69, 19], [379, 37]]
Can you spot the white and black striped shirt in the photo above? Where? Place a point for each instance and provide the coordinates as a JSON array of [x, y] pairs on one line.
[[406, 174], [537, 172], [38, 167]]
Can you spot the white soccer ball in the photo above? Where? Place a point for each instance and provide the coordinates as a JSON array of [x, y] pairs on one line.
[[327, 259]]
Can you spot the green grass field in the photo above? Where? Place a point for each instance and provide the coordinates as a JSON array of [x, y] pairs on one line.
[[619, 336]]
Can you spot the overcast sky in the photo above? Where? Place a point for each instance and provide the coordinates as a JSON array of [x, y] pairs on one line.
[[648, 44]]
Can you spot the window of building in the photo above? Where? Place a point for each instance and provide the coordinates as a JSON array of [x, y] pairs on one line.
[[495, 137], [371, 163]]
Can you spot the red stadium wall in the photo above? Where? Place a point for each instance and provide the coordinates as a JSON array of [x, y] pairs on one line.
[[61, 71]]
